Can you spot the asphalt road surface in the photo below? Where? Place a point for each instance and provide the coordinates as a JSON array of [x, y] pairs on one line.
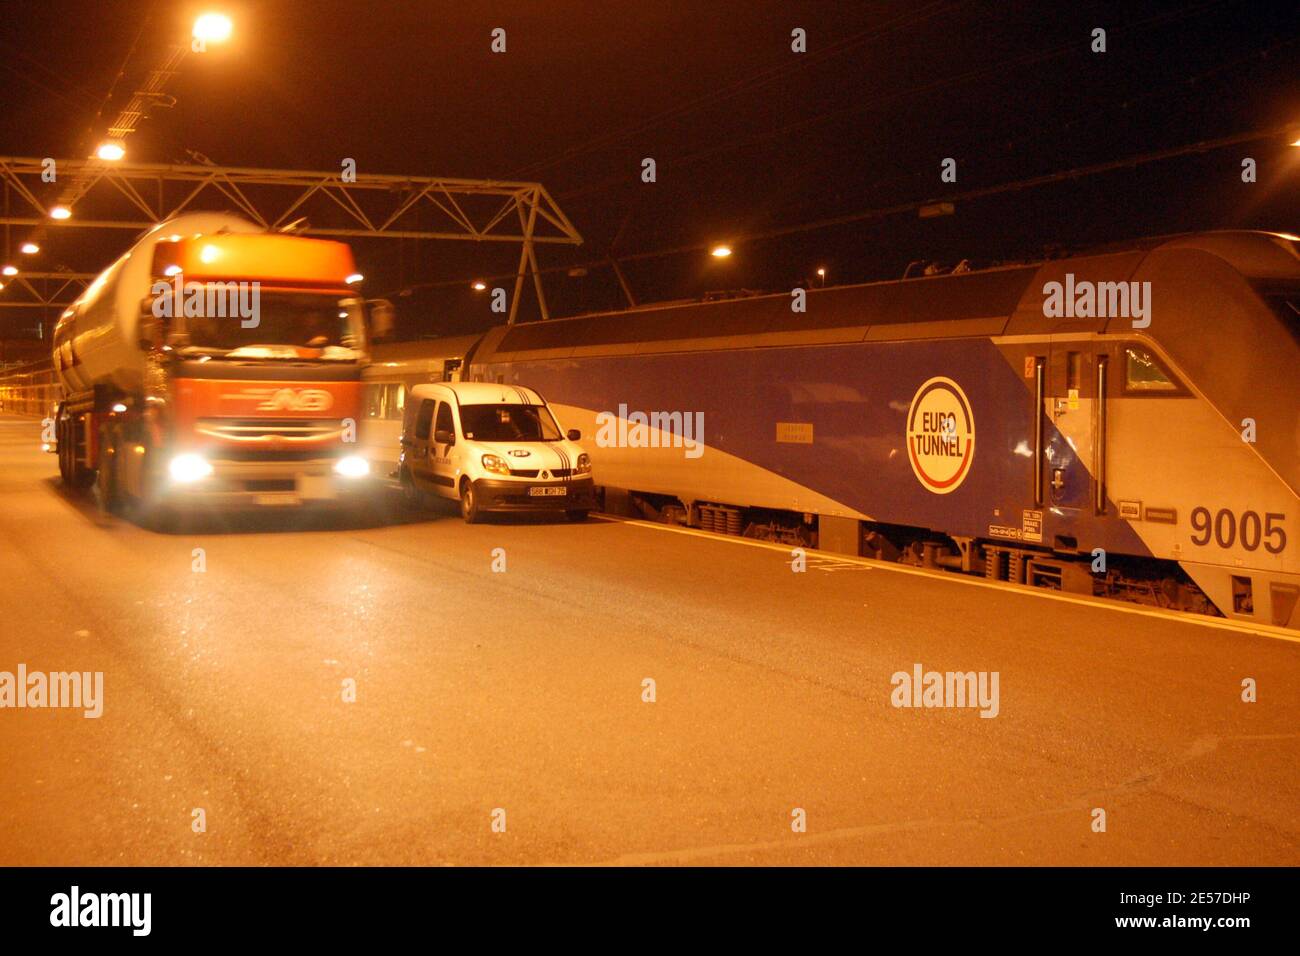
[[479, 691]]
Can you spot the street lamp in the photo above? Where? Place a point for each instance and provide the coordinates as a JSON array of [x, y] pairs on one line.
[[720, 251], [30, 249], [212, 28], [479, 285], [821, 274], [111, 150], [60, 212], [9, 271]]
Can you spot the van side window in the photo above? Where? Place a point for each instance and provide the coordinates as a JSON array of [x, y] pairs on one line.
[[444, 418], [374, 401], [1143, 372], [424, 419], [396, 401]]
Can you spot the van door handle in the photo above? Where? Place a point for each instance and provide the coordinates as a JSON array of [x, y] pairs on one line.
[[1058, 478]]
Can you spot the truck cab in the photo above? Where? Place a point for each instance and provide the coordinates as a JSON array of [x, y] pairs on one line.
[[495, 448]]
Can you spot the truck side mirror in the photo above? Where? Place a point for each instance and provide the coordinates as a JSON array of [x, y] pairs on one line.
[[444, 437], [574, 435], [382, 317]]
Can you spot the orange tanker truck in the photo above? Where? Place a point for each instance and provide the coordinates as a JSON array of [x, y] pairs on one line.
[[214, 364]]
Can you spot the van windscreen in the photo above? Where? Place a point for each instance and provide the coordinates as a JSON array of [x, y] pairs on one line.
[[508, 423]]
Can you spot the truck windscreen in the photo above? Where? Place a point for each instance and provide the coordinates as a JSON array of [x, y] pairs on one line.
[[278, 325]]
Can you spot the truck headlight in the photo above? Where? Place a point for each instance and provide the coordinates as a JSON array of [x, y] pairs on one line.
[[187, 468], [353, 466], [495, 465], [584, 464]]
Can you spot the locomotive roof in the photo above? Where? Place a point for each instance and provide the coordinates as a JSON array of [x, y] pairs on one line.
[[986, 302]]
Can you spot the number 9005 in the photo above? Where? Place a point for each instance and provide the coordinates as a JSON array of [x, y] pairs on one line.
[[1250, 531]]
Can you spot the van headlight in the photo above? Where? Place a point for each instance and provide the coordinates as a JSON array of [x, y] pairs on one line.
[[584, 464], [187, 468], [495, 465], [353, 466]]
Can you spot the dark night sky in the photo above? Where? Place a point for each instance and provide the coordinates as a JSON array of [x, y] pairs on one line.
[[748, 136]]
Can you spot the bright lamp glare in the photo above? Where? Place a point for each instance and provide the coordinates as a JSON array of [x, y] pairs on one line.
[[353, 466], [188, 468], [111, 151], [60, 212], [10, 270], [212, 28], [479, 286], [354, 278], [30, 248], [720, 252]]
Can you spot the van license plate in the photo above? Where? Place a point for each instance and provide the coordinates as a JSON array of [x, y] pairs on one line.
[[548, 492]]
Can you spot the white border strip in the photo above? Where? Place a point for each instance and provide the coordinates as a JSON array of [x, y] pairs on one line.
[[1222, 623]]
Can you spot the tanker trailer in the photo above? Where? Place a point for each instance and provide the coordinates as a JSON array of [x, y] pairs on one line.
[[214, 365]]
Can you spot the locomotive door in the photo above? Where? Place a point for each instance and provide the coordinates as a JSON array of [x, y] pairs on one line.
[[1070, 409]]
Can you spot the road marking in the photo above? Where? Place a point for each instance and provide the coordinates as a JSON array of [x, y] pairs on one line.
[[1111, 604]]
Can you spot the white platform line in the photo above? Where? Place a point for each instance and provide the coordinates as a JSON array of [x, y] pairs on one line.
[[1109, 604]]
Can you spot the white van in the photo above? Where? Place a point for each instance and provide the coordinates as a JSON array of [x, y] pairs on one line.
[[494, 447]]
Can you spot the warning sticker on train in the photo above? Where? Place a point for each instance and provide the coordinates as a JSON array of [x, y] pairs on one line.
[[940, 435]]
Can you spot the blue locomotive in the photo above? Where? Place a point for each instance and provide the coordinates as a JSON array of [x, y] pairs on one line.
[[1124, 422]]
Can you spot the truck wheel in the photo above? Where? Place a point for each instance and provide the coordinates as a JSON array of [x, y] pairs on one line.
[[576, 515], [469, 503], [80, 476], [61, 439], [148, 510], [412, 496], [107, 490]]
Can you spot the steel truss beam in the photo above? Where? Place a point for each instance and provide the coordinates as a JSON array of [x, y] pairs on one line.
[[136, 196], [43, 298]]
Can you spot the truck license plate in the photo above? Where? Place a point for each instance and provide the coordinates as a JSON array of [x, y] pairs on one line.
[[548, 492], [315, 487], [278, 498]]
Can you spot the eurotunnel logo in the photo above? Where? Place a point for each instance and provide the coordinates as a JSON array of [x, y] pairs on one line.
[[940, 435]]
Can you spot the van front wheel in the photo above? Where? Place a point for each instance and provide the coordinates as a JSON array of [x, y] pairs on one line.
[[469, 503]]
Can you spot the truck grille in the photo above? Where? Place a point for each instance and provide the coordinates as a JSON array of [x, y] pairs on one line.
[[270, 429]]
